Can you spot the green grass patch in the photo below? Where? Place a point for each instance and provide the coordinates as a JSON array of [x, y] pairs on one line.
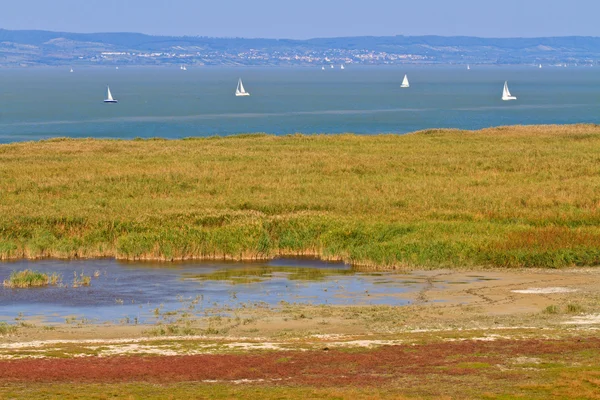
[[473, 365], [574, 308], [29, 278], [551, 309]]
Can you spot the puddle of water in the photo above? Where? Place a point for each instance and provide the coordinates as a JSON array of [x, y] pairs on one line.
[[132, 291], [482, 278]]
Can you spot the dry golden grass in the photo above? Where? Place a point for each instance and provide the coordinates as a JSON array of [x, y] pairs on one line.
[[510, 196]]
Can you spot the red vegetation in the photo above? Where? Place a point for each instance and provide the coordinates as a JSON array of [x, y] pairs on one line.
[[324, 367]]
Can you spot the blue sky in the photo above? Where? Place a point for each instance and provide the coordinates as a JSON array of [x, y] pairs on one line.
[[302, 19]]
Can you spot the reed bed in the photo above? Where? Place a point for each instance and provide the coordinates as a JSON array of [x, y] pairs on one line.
[[29, 278], [81, 279], [522, 196]]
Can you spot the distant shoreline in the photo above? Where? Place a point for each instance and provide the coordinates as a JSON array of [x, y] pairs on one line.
[[65, 48]]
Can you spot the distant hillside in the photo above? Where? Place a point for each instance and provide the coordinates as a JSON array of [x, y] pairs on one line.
[[61, 48]]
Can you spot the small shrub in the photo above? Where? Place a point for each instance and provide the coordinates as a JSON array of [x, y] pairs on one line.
[[156, 331], [551, 310], [6, 329], [211, 331], [171, 330], [574, 308]]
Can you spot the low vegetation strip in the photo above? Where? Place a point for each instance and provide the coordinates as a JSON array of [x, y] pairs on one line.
[[512, 196], [463, 369], [363, 366]]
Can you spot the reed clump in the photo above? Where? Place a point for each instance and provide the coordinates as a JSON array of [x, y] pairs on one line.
[[81, 279], [29, 278], [523, 196]]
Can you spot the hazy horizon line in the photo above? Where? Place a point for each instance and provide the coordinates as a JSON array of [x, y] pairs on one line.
[[293, 39]]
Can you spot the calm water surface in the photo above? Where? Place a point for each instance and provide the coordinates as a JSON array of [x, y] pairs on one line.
[[134, 290], [38, 103]]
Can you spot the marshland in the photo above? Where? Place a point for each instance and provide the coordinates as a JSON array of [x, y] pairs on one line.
[[522, 196], [467, 257]]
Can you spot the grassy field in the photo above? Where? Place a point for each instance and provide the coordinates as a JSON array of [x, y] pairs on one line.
[[513, 196]]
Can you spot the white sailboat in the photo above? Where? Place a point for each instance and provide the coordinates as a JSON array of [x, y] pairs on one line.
[[322, 68], [540, 66], [342, 66], [331, 66], [109, 98], [405, 83], [183, 68], [506, 93], [468, 67], [71, 70], [240, 91]]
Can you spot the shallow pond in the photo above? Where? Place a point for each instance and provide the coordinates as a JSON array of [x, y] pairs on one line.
[[139, 291]]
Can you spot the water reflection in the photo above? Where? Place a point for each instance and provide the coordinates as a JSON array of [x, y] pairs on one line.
[[135, 290], [254, 274]]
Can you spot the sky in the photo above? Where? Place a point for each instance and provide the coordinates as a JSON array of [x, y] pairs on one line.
[[302, 19]]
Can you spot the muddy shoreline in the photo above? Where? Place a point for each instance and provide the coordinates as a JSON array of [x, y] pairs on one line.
[[527, 333]]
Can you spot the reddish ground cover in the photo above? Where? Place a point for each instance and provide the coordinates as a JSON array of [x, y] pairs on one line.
[[325, 367]]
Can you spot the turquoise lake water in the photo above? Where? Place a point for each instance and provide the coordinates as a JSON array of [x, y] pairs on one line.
[[38, 103]]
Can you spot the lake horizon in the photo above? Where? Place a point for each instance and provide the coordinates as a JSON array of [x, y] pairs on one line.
[[50, 102]]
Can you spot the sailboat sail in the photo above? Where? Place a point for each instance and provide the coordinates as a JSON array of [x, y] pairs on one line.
[[240, 91], [506, 93], [405, 83], [109, 97]]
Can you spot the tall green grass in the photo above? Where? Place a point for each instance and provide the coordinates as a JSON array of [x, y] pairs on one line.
[[511, 196], [29, 278]]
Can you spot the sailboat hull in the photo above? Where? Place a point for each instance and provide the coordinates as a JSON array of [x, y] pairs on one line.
[[506, 98], [242, 94], [111, 101]]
